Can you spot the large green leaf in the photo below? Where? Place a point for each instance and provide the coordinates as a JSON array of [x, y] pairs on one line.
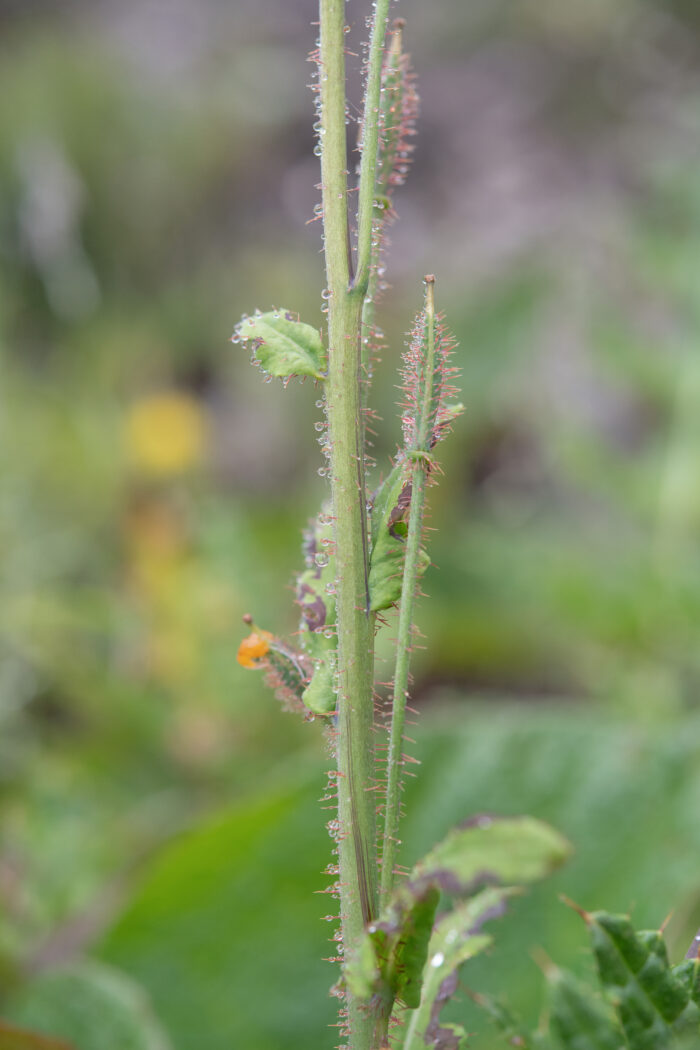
[[228, 912], [225, 927], [283, 346], [92, 1005]]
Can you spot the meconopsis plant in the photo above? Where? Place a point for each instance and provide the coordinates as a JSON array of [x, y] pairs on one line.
[[363, 556]]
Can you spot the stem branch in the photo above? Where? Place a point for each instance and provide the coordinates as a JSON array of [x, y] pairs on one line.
[[370, 146], [357, 849], [392, 808]]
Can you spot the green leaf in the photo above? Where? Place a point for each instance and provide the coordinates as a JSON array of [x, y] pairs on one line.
[[224, 928], [687, 973], [93, 1006], [483, 850], [225, 914], [390, 958], [390, 505], [652, 1001], [505, 1022], [456, 938], [494, 849], [579, 1019], [320, 695], [315, 588], [284, 347], [19, 1039]]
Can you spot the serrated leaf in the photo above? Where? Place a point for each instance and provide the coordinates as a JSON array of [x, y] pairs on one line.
[[579, 1020], [652, 1002], [284, 347], [687, 973], [91, 1005]]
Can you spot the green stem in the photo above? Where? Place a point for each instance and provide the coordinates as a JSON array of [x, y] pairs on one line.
[[367, 325], [418, 1020], [357, 849], [392, 807], [370, 146], [378, 215]]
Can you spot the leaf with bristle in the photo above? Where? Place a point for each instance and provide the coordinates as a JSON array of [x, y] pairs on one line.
[[652, 1000], [315, 597], [287, 670], [283, 345], [304, 679]]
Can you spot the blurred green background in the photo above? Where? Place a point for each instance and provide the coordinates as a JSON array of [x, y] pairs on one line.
[[160, 838]]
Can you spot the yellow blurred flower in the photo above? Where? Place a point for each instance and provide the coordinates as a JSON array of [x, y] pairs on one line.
[[165, 434]]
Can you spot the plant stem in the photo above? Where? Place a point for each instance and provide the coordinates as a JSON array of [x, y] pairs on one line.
[[370, 142], [392, 808], [357, 848]]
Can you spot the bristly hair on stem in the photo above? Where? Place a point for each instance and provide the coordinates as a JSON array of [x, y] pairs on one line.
[[363, 557], [397, 118], [427, 380], [426, 418], [398, 110]]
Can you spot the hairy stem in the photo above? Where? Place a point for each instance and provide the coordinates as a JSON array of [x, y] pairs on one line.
[[355, 754], [392, 806], [370, 145]]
